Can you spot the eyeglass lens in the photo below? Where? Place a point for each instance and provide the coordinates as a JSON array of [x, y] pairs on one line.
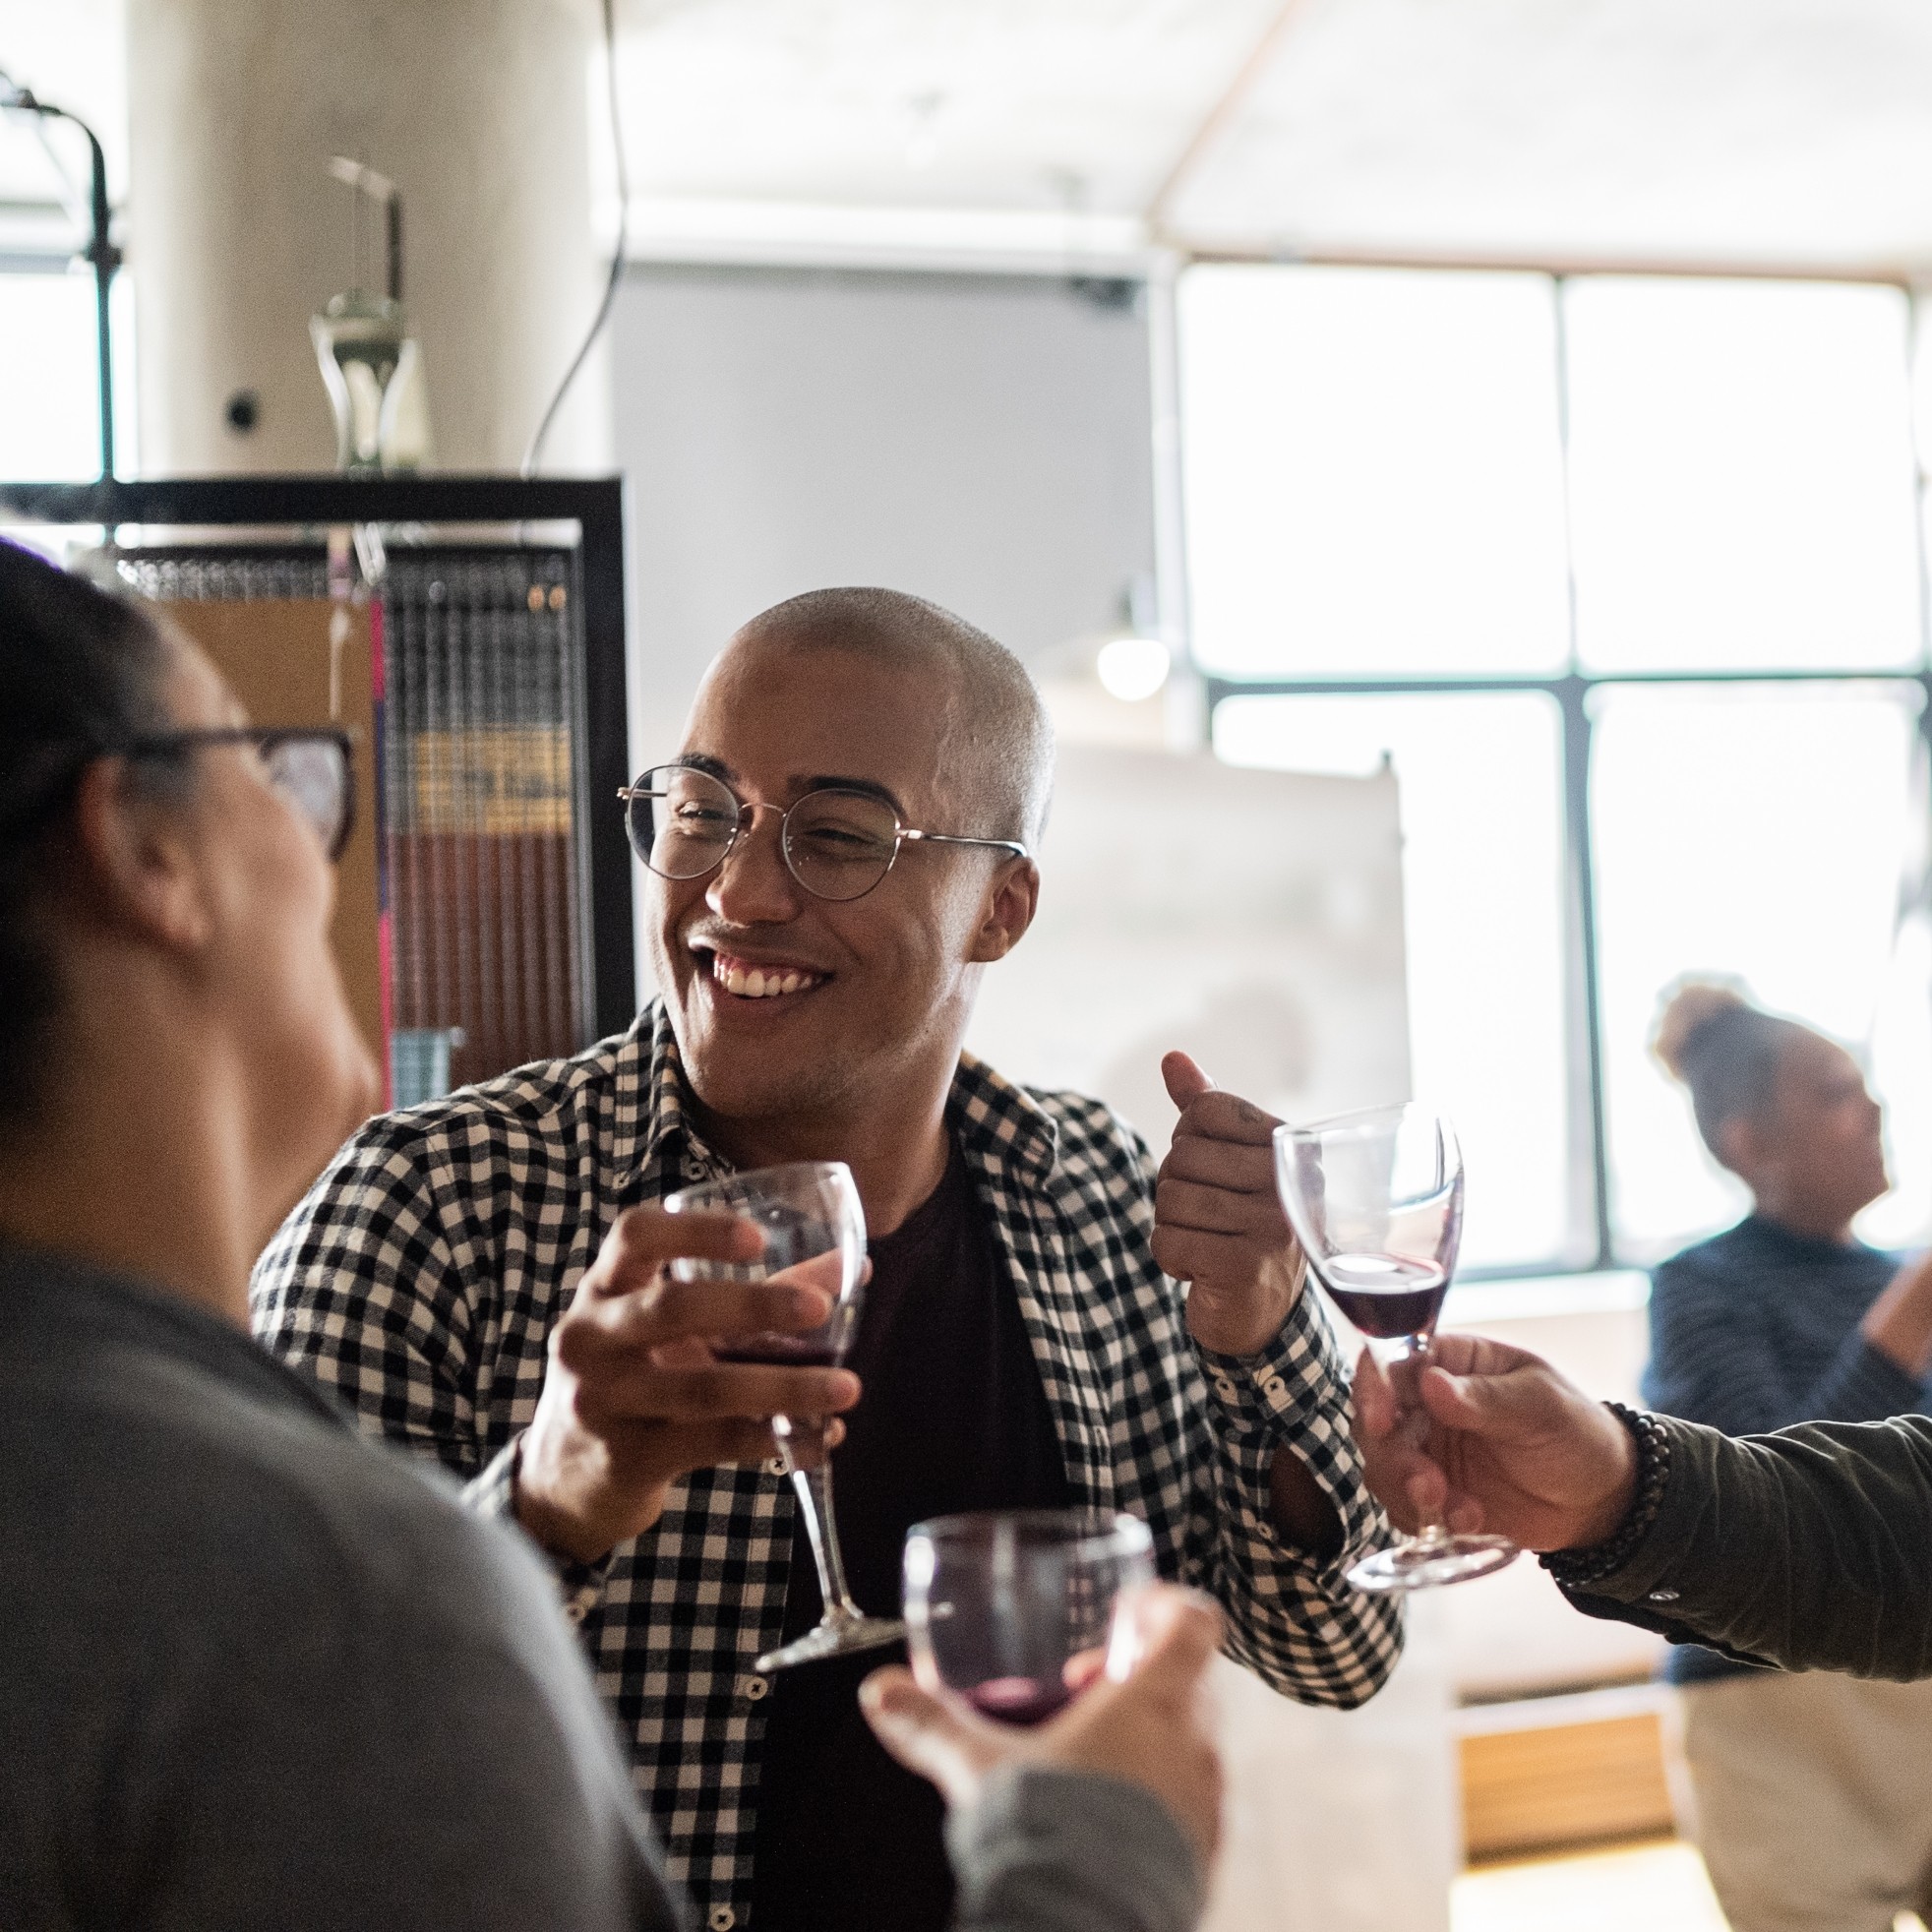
[[312, 775], [837, 845]]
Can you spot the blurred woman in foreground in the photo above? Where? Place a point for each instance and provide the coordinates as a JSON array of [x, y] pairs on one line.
[[257, 1670]]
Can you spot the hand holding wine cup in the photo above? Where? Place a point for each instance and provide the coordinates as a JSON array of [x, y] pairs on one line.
[[1509, 1446], [1375, 1198], [1150, 1727], [812, 1234], [635, 1395]]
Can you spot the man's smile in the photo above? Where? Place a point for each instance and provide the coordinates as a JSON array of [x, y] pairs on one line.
[[741, 978]]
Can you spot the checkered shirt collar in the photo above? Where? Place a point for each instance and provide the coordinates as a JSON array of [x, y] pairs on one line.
[[993, 1118]]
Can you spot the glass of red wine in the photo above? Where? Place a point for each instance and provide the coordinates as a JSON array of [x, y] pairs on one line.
[[815, 1232], [1376, 1199], [1014, 1611]]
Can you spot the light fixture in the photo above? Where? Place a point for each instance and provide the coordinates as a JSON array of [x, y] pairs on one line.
[[1131, 668]]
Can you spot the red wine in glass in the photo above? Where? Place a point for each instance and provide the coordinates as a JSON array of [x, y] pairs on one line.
[[1025, 1701], [779, 1352], [1386, 1295]]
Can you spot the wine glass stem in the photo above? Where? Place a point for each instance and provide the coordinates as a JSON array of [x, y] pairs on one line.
[[1406, 1363], [815, 1494]]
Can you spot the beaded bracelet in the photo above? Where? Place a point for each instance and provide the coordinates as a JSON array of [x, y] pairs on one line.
[[1574, 1567]]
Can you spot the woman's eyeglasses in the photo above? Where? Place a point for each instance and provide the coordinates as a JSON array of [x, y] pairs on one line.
[[313, 769]]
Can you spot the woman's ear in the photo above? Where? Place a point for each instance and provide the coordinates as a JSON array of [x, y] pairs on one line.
[[133, 861], [1008, 911], [1744, 1148]]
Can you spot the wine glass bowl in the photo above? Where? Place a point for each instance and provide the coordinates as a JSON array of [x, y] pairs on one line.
[[815, 1232], [999, 1604], [1376, 1199]]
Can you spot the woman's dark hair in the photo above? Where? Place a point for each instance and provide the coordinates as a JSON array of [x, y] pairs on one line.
[[81, 672], [1726, 1051]]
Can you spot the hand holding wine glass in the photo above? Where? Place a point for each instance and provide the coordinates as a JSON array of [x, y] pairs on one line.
[[1376, 1201], [813, 1233], [633, 1398], [1150, 1727], [1511, 1446]]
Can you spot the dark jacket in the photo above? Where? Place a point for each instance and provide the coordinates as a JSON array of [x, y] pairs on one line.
[[1810, 1549]]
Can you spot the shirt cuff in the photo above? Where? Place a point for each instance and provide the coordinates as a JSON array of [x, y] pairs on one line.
[[1074, 1850], [493, 1493], [1267, 1393]]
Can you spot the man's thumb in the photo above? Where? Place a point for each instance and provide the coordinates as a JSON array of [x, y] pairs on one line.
[[1479, 1405], [1186, 1080]]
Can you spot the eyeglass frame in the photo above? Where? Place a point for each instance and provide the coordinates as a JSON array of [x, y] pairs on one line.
[[902, 834], [264, 739]]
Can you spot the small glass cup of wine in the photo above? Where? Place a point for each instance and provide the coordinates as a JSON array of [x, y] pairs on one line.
[[815, 1232], [1016, 1610], [1376, 1199]]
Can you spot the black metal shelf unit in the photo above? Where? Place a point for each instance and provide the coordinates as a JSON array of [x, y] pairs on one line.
[[252, 529]]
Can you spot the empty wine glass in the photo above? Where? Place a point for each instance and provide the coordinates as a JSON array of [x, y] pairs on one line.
[[1000, 1603], [1376, 1199], [814, 1230]]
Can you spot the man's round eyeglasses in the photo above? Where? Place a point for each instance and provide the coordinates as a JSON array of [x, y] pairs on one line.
[[312, 769], [838, 844]]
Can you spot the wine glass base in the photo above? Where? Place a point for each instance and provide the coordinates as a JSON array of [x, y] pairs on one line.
[[840, 1639], [1431, 1561]]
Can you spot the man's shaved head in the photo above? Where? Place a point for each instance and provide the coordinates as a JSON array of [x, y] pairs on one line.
[[995, 746]]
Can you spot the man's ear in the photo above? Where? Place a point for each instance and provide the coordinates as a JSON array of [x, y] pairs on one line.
[[134, 862], [1008, 911]]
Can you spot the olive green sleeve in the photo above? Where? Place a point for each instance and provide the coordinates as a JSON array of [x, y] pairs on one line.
[[1810, 1549]]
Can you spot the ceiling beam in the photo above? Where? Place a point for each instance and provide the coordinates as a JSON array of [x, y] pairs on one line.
[[1219, 117]]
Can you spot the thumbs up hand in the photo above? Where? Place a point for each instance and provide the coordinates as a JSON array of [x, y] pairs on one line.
[[1218, 1221]]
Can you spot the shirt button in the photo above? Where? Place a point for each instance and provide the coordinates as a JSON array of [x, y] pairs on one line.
[[1274, 1388], [754, 1688], [722, 1919], [774, 1466], [1226, 1389], [1663, 1596]]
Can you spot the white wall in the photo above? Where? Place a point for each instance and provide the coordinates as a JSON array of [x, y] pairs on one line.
[[982, 440]]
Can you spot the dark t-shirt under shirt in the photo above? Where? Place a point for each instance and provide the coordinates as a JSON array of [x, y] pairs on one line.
[[953, 1418]]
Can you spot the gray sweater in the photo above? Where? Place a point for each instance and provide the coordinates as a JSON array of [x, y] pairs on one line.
[[254, 1669]]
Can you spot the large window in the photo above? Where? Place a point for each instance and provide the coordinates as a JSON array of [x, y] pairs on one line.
[[1625, 576]]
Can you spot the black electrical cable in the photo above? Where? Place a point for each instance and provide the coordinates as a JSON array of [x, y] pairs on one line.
[[603, 314]]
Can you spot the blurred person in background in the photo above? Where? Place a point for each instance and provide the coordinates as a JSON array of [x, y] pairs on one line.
[[256, 1669], [1813, 1792]]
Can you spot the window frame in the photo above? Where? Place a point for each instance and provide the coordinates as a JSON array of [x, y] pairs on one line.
[[1594, 1246]]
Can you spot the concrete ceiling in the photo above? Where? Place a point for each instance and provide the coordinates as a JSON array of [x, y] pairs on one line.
[[1774, 132], [1793, 132]]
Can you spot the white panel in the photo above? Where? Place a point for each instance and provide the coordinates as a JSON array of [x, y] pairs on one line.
[[1252, 919]]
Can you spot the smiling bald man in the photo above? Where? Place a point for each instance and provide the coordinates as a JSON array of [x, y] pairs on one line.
[[842, 848]]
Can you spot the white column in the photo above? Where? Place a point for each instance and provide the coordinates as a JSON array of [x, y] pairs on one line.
[[478, 109]]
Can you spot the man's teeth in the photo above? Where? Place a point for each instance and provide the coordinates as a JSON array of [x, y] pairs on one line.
[[760, 982]]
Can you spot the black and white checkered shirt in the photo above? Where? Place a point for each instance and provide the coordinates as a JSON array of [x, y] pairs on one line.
[[421, 1276]]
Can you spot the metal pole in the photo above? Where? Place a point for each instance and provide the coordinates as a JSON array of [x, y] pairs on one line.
[[1589, 1165], [106, 258]]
